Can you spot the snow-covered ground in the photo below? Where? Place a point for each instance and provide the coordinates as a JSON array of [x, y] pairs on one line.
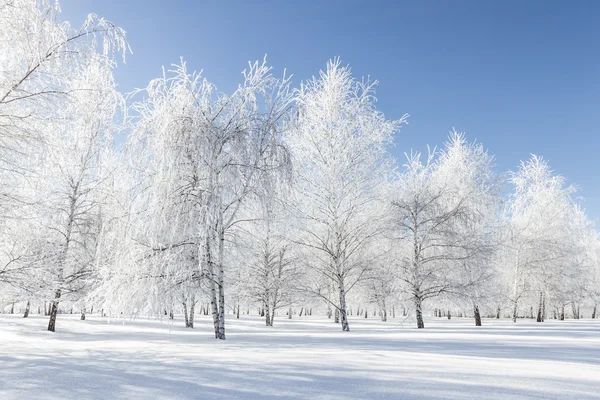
[[308, 358]]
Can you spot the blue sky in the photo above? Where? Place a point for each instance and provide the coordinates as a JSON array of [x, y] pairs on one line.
[[521, 77]]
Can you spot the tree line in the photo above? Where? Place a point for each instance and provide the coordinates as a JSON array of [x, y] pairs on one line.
[[179, 198]]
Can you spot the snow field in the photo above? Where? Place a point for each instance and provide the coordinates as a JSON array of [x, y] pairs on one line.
[[303, 358]]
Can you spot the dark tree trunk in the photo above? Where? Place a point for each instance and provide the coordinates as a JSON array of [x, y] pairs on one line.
[[12, 308], [477, 315], [498, 313], [301, 310], [539, 313], [449, 315], [54, 311], [185, 313], [562, 313], [290, 313], [419, 312], [83, 313], [26, 313], [594, 312], [237, 314], [384, 315]]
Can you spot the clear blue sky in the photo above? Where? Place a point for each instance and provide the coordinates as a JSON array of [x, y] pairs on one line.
[[519, 76]]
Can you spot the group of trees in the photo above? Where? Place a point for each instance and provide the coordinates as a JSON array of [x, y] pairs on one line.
[[268, 197]]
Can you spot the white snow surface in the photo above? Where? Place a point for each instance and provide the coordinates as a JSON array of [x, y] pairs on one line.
[[302, 358]]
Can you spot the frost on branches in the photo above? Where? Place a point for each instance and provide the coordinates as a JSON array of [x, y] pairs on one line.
[[271, 199]]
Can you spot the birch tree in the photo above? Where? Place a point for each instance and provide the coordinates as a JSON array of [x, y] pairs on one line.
[[340, 160], [206, 151], [534, 243], [438, 208]]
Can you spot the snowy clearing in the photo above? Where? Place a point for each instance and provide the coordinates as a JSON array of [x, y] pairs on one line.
[[304, 358]]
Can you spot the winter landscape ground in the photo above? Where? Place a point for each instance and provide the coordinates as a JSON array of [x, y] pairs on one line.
[[303, 358]]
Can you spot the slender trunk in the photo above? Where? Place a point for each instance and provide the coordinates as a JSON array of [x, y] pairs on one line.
[[539, 313], [221, 285], [27, 307], [213, 291], [238, 312], [543, 307], [267, 313], [449, 315], [342, 310], [83, 313], [301, 309], [594, 311], [290, 313], [477, 315], [54, 311], [562, 313], [336, 316], [383, 311], [272, 315], [185, 312], [498, 313], [515, 311], [192, 312], [419, 312]]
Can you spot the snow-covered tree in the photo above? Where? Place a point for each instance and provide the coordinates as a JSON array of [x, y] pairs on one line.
[[340, 163], [538, 216], [441, 208]]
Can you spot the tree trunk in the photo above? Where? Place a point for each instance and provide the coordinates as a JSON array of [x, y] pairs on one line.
[[543, 307], [12, 308], [238, 312], [185, 312], [449, 315], [290, 313], [26, 313], [419, 312], [267, 314], [336, 316], [562, 313], [477, 315], [384, 315], [343, 312], [83, 313], [272, 314], [539, 313], [498, 313], [594, 311], [300, 314], [515, 311], [54, 311]]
